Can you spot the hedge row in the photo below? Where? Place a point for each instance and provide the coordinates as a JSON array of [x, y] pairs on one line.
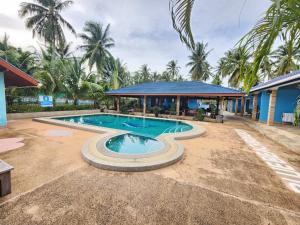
[[23, 108]]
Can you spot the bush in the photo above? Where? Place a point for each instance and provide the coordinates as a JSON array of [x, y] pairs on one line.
[[156, 110], [199, 115], [23, 108]]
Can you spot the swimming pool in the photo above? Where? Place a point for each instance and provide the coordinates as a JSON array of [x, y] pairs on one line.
[[141, 138], [136, 125]]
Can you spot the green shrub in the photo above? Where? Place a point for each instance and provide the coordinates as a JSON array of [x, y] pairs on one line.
[[124, 109], [23, 108], [200, 113], [156, 110], [173, 109]]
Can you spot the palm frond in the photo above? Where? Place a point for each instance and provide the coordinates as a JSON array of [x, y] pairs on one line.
[[181, 11]]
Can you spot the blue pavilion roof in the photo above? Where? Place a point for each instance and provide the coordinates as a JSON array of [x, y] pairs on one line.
[[176, 88], [283, 79]]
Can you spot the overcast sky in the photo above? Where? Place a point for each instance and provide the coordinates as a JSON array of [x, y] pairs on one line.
[[142, 29]]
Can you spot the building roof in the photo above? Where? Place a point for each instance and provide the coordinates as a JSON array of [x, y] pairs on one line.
[[278, 81], [14, 77], [183, 88]]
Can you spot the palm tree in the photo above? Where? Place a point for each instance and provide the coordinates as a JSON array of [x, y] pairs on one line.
[[281, 19], [115, 73], [173, 69], [155, 76], [5, 48], [64, 50], [96, 42], [49, 71], [284, 60], [221, 67], [217, 80], [200, 68], [143, 75], [266, 68], [74, 78], [45, 19], [235, 64]]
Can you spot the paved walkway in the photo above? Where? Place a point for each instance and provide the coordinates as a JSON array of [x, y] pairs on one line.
[[220, 181], [287, 136]]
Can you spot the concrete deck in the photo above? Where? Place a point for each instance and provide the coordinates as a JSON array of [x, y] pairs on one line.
[[220, 180], [285, 135]]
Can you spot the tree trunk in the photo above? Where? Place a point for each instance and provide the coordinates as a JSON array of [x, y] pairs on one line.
[[75, 101]]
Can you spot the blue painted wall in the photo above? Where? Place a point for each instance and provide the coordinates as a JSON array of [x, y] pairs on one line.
[[3, 120], [264, 106], [285, 102]]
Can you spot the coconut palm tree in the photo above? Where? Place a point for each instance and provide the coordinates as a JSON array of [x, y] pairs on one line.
[[281, 19], [64, 50], [200, 68], [221, 67], [143, 75], [49, 70], [96, 44], [217, 80], [284, 60], [235, 64], [75, 77], [155, 76], [173, 69], [115, 72], [266, 69], [45, 19]]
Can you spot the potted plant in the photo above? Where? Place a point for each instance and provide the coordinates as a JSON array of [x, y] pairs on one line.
[[156, 110], [199, 115]]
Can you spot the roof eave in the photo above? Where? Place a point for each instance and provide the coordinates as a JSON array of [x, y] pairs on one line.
[[180, 94], [277, 83], [20, 74]]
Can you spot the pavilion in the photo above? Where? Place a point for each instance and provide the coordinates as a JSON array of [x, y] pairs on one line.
[[10, 76], [158, 93]]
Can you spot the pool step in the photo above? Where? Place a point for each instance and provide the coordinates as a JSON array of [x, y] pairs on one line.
[[178, 128]]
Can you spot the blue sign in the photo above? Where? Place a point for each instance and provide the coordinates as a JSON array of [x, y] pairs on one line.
[[46, 101]]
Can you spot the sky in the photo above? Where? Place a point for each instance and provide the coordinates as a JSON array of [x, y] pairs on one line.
[[142, 29]]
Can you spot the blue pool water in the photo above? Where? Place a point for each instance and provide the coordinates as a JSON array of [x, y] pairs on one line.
[[133, 144], [141, 135], [135, 125]]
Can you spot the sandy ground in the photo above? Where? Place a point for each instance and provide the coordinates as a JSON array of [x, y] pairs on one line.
[[219, 181]]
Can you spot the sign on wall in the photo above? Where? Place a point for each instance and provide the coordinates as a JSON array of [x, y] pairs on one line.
[[46, 101]]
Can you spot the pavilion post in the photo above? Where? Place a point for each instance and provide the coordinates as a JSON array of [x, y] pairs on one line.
[[254, 107], [218, 105], [271, 110], [236, 105], [118, 104], [242, 106], [145, 105], [177, 105], [3, 119]]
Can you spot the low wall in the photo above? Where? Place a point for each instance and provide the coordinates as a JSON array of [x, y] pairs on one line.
[[13, 116]]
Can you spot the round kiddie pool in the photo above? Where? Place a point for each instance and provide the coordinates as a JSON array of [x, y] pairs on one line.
[[135, 143], [132, 144]]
